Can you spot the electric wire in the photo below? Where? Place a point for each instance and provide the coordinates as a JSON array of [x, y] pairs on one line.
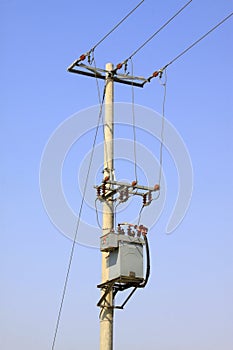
[[157, 31], [144, 283], [78, 222], [99, 98], [198, 40], [97, 81], [116, 26], [97, 127], [140, 214], [134, 126], [164, 84], [89, 54], [115, 213]]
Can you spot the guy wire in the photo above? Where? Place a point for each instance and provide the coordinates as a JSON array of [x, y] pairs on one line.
[[78, 222]]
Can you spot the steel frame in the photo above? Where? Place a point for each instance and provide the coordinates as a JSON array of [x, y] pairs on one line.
[[118, 285], [79, 68]]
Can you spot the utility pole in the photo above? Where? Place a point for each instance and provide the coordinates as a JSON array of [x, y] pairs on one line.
[[121, 247], [107, 310]]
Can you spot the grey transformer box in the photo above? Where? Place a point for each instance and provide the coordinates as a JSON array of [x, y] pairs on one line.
[[125, 258]]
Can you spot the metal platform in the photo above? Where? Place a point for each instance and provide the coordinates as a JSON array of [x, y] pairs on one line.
[[118, 284]]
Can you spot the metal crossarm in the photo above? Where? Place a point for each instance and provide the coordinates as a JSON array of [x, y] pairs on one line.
[[93, 72]]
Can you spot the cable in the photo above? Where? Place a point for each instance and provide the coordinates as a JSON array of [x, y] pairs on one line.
[[144, 283], [154, 34], [198, 40], [140, 214], [164, 84], [116, 26], [98, 92], [88, 54], [78, 222], [134, 128], [160, 71], [97, 81], [115, 213]]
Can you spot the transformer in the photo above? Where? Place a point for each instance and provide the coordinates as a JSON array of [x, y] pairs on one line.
[[125, 258]]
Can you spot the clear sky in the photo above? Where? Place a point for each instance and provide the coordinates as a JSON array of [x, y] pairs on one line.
[[188, 301]]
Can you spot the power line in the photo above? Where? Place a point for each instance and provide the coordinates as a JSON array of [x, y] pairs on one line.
[[157, 31], [78, 222], [197, 41], [160, 71], [116, 26], [90, 52], [153, 35]]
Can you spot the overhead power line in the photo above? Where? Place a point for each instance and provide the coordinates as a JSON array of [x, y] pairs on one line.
[[198, 40], [160, 71], [116, 26], [91, 51], [157, 31], [119, 66]]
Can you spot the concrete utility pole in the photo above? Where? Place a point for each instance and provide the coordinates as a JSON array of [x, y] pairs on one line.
[[107, 311], [122, 264]]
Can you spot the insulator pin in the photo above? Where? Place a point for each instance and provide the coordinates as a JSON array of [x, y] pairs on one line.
[[82, 57], [130, 232], [106, 178], [144, 199], [121, 196], [149, 197], [155, 74]]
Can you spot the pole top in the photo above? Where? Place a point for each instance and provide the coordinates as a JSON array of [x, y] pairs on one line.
[[109, 66]]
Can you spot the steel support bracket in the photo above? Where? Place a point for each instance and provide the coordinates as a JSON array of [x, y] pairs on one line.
[[118, 285]]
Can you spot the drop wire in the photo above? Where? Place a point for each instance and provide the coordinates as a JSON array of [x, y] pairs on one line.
[[134, 126]]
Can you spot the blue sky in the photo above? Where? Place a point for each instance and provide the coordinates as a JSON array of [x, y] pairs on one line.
[[188, 301]]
